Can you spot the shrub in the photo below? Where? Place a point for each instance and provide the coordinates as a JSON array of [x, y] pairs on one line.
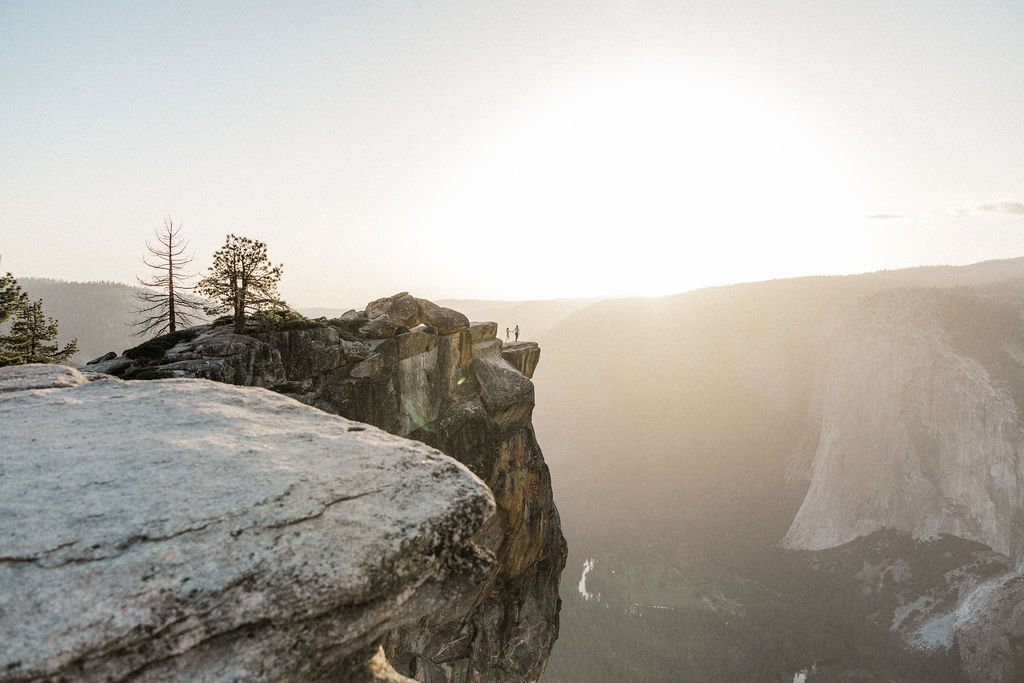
[[158, 346], [347, 329], [281, 320]]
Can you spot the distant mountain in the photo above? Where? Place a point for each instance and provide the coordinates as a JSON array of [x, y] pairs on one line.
[[685, 433]]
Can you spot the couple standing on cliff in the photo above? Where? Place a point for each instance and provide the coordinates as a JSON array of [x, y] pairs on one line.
[[514, 331]]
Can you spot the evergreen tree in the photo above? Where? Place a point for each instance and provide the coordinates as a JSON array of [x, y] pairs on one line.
[[167, 308], [12, 299], [12, 302], [28, 340], [242, 280]]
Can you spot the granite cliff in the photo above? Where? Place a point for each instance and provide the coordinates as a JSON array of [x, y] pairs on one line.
[[917, 431], [424, 372], [918, 428], [190, 530]]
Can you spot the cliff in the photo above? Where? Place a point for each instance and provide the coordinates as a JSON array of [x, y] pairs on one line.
[[187, 530], [919, 428], [424, 372]]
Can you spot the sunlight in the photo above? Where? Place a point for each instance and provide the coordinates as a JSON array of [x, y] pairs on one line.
[[654, 185]]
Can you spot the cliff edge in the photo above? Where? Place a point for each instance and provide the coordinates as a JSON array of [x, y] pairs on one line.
[[424, 372]]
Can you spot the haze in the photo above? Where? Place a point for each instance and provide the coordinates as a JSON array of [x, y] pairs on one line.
[[512, 151]]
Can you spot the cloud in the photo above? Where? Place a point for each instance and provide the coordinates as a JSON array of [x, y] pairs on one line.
[[1005, 208], [884, 216]]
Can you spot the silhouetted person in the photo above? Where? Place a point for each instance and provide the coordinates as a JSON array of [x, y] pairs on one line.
[[516, 332], [507, 335]]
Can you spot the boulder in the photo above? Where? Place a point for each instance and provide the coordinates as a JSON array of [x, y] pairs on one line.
[[444, 319], [38, 376], [190, 530], [507, 394], [401, 308], [112, 365], [479, 332], [404, 310], [109, 355], [380, 327]]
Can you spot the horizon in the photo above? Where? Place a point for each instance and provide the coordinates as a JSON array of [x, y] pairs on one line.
[[592, 299], [625, 149]]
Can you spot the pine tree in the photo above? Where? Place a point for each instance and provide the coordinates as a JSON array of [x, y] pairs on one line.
[[12, 299], [12, 302], [242, 280], [167, 308], [28, 340]]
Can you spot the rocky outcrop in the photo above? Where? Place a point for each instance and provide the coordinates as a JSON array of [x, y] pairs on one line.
[[523, 356], [442, 380], [190, 530], [408, 311]]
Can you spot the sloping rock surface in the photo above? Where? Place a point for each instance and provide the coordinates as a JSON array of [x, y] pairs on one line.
[[190, 530]]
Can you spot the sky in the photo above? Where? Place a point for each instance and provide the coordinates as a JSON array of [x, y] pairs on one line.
[[512, 150]]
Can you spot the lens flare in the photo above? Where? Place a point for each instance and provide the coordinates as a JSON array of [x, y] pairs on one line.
[[416, 415]]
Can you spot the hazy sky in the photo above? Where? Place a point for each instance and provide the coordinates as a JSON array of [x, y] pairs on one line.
[[512, 150]]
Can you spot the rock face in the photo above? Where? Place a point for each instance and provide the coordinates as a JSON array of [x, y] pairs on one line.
[[523, 356], [921, 430], [190, 530], [449, 384], [918, 433]]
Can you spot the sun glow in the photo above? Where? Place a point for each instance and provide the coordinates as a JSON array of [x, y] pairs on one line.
[[650, 186]]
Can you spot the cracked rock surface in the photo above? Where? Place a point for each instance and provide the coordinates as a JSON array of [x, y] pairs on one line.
[[191, 530]]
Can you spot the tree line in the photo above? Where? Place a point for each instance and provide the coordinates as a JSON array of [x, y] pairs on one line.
[[31, 336]]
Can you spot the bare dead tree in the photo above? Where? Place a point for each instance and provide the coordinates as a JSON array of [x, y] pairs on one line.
[[165, 305]]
